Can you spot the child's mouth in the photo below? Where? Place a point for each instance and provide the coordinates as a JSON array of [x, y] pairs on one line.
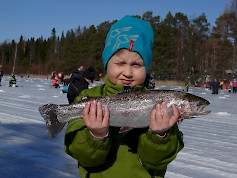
[[127, 82]]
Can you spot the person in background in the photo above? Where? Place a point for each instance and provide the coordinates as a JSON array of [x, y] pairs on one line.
[[186, 86], [1, 74], [230, 87], [221, 84], [61, 77], [234, 85], [207, 86], [79, 81], [227, 86], [55, 82], [53, 75], [12, 82], [215, 86], [114, 152], [81, 68]]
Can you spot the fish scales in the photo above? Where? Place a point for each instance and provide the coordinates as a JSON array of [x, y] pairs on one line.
[[130, 109]]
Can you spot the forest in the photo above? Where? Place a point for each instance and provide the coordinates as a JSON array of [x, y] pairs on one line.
[[183, 48]]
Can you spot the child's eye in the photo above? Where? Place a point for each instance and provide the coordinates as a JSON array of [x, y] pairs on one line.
[[137, 65], [119, 63]]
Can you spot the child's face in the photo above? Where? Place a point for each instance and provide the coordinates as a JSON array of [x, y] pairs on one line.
[[126, 68]]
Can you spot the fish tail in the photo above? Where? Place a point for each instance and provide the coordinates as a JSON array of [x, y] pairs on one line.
[[48, 112]]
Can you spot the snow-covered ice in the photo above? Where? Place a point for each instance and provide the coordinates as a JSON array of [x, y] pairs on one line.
[[26, 151]]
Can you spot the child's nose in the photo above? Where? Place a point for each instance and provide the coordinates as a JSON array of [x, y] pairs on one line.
[[128, 71]]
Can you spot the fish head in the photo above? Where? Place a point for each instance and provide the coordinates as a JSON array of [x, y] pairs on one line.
[[193, 106]]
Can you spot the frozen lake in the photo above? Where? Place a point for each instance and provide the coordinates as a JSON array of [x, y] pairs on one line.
[[27, 151]]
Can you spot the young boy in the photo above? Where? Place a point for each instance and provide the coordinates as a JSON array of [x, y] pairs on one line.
[[110, 152]]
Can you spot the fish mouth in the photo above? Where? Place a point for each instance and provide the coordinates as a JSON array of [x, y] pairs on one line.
[[202, 110]]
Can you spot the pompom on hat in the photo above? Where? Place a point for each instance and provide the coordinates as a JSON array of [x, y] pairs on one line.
[[130, 33]]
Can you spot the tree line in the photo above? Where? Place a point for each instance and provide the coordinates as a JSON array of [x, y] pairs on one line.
[[183, 48]]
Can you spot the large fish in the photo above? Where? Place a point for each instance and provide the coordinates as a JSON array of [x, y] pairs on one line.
[[130, 109]]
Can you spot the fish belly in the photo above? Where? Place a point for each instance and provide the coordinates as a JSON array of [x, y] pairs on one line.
[[131, 117]]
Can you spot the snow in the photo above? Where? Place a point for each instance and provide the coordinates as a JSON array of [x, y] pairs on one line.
[[27, 151]]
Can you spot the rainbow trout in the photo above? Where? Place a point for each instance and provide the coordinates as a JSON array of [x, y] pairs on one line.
[[130, 109]]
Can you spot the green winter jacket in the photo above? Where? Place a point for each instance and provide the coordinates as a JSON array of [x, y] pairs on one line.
[[136, 154]]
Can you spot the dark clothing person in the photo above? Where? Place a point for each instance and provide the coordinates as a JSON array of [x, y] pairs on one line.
[[75, 89], [1, 74], [215, 87], [12, 82], [53, 75], [74, 85], [89, 74], [186, 86], [66, 81], [79, 81]]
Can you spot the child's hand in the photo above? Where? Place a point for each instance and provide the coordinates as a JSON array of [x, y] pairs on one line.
[[95, 120], [160, 121]]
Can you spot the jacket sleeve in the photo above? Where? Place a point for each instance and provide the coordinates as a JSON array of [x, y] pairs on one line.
[[80, 145], [156, 153]]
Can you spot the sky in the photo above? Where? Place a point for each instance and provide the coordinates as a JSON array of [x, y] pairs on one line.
[[36, 18], [27, 151]]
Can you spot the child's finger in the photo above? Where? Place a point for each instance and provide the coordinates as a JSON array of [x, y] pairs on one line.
[[166, 117], [93, 109], [99, 112], [175, 115], [158, 114], [164, 109], [153, 119], [86, 113], [106, 115]]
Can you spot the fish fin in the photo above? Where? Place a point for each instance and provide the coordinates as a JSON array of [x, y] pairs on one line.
[[48, 112]]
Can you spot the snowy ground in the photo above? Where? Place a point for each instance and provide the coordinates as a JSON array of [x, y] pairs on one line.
[[26, 151]]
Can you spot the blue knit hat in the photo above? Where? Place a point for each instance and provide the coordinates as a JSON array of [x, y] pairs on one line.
[[130, 33]]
